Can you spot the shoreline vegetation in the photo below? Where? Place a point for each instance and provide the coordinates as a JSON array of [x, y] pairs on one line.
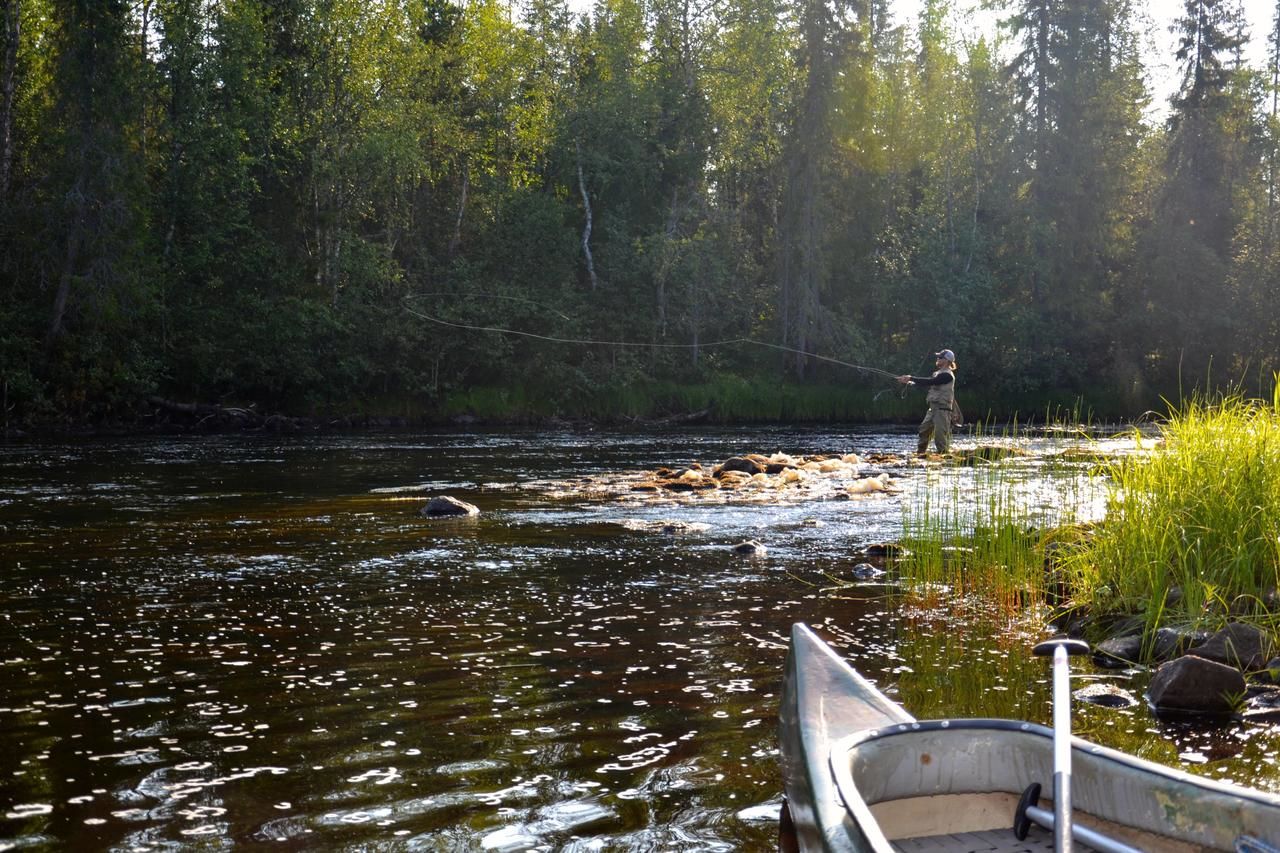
[[313, 214], [1188, 545], [721, 401]]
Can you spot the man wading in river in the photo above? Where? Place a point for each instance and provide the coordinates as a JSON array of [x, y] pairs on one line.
[[941, 397]]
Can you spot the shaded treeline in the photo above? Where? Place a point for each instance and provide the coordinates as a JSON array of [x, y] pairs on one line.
[[235, 200]]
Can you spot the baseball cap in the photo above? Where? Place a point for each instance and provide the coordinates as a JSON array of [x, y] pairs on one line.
[[946, 355]]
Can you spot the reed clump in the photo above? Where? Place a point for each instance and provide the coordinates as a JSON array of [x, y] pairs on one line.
[[978, 525], [1192, 529]]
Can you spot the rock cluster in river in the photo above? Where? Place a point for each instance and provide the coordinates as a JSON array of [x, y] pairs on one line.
[[1232, 670], [779, 471]]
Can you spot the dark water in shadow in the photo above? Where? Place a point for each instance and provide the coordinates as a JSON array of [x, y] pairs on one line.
[[220, 642]]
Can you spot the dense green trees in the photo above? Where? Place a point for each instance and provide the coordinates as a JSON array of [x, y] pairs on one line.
[[311, 205]]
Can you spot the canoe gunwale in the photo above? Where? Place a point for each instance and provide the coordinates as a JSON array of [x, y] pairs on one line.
[[841, 763], [828, 709]]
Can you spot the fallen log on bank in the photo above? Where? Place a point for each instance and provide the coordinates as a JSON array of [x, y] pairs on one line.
[[212, 415]]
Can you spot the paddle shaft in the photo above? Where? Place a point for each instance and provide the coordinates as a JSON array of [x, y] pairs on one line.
[[1061, 752], [1083, 834]]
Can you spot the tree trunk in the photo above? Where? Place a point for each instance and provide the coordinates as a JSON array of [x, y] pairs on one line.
[[665, 261], [456, 240], [586, 228], [8, 73], [75, 237], [1275, 107], [142, 100]]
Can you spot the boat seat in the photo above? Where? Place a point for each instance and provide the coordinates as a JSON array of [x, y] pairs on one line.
[[986, 841]]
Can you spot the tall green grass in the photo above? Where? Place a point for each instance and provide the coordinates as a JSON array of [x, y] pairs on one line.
[[1190, 534], [981, 529], [1192, 530]]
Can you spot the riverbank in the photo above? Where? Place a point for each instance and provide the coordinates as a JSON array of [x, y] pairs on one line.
[[1183, 545], [725, 401]]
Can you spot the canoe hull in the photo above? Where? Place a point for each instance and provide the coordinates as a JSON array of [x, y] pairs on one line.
[[824, 700], [860, 774]]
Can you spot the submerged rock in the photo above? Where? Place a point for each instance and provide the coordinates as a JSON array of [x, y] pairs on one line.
[[669, 526], [1196, 685], [866, 572], [749, 548], [1106, 696], [444, 505], [884, 549], [1263, 707]]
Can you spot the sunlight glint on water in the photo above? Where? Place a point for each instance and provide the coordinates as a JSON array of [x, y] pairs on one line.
[[250, 640]]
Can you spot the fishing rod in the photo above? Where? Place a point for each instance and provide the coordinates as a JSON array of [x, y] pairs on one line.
[[643, 344]]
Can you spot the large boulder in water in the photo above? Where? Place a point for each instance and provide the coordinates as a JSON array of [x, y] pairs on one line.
[[1194, 684], [443, 505]]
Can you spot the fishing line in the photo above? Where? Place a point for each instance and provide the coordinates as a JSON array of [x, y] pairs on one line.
[[643, 344], [494, 296]]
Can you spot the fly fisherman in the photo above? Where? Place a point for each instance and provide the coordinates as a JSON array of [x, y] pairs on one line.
[[941, 397]]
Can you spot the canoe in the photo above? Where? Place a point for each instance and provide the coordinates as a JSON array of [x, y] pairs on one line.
[[861, 774]]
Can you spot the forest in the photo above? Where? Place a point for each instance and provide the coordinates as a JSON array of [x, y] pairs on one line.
[[327, 207]]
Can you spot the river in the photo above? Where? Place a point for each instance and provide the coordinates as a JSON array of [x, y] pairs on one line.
[[249, 640]]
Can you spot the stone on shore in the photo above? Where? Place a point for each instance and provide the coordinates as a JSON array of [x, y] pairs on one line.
[[1240, 645], [1118, 652]]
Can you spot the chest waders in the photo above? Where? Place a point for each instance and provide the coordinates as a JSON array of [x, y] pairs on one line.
[[937, 421]]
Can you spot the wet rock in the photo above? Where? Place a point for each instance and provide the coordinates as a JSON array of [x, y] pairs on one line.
[[882, 549], [1197, 685], [1169, 643], [671, 527], [866, 572], [1271, 600], [1120, 624], [1271, 675], [1057, 585], [1118, 652], [869, 485], [988, 453], [1071, 619], [749, 548], [733, 479], [444, 505], [1106, 696], [813, 522], [1262, 706], [1246, 605], [741, 464], [1239, 645]]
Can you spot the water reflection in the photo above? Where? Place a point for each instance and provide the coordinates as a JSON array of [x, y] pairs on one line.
[[224, 641]]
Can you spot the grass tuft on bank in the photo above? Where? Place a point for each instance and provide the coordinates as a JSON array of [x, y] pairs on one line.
[[1192, 530], [1190, 535]]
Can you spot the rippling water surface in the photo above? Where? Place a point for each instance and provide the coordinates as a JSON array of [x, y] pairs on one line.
[[237, 640]]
